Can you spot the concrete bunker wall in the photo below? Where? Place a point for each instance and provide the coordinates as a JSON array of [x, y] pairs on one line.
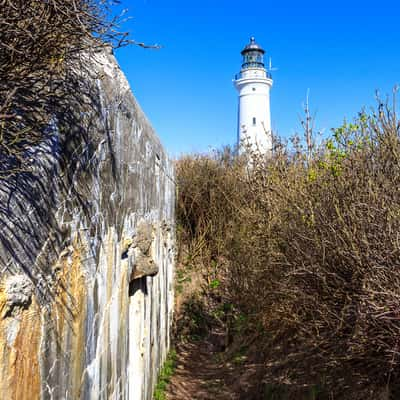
[[87, 254]]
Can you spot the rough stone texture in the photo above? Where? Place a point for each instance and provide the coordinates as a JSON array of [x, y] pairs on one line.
[[143, 251], [86, 253]]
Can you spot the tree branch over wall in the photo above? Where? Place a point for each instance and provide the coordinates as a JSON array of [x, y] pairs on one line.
[[42, 44]]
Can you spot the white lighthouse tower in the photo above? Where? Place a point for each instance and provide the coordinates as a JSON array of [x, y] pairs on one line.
[[253, 84]]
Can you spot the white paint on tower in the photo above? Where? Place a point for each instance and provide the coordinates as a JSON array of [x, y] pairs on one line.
[[253, 84]]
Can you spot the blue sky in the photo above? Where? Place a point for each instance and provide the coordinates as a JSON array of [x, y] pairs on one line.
[[342, 51]]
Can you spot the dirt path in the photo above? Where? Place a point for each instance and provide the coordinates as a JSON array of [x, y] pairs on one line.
[[201, 374], [214, 367]]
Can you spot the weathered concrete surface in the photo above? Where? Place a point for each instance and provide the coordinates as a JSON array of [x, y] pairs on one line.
[[86, 253]]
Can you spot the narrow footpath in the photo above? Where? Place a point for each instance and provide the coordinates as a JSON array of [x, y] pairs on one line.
[[204, 371], [201, 374]]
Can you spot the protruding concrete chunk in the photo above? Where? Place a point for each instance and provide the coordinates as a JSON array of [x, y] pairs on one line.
[[18, 295], [142, 252], [144, 266], [144, 237]]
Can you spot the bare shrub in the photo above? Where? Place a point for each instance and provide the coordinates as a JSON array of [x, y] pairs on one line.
[[41, 45], [309, 247]]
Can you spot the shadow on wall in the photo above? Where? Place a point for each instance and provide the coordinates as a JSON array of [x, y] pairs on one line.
[[56, 164], [138, 284]]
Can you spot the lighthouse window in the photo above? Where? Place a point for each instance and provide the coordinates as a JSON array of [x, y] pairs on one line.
[[254, 120]]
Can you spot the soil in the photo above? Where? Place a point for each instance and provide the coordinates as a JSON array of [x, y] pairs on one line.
[[203, 372]]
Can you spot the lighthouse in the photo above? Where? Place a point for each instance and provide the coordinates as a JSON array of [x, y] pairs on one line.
[[253, 83]]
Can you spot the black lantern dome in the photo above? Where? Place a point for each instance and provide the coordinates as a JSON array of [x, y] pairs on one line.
[[253, 55]]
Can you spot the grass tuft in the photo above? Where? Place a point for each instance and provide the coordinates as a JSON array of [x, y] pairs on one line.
[[164, 377]]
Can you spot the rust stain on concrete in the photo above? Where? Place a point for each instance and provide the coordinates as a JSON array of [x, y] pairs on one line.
[[71, 313], [20, 337]]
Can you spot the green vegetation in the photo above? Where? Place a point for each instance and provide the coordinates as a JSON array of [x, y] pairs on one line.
[[164, 376], [304, 248]]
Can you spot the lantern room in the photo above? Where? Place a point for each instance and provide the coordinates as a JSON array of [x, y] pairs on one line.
[[253, 55]]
